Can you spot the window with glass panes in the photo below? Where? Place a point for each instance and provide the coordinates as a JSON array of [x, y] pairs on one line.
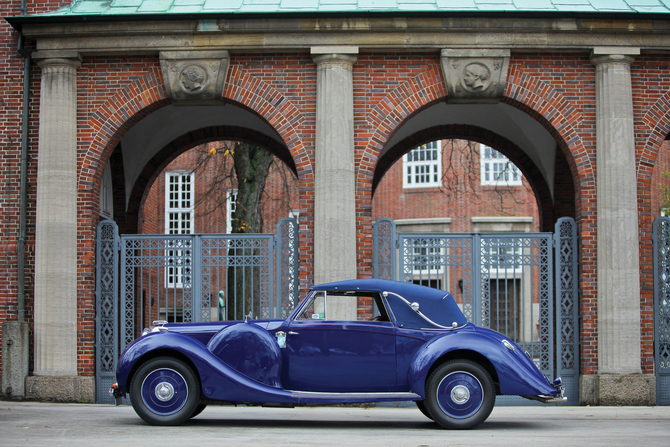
[[497, 169], [178, 220], [231, 203], [422, 167]]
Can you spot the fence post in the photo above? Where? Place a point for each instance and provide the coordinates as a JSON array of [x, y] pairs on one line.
[[106, 306], [661, 254], [287, 286], [567, 306], [384, 249]]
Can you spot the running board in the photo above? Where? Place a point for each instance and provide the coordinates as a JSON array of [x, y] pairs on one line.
[[355, 396]]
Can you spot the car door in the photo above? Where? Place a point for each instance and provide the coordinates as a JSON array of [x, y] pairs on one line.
[[329, 349]]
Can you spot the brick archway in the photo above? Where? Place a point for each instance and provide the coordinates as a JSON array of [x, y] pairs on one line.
[[473, 133], [145, 95], [541, 101], [112, 120], [188, 141], [524, 92]]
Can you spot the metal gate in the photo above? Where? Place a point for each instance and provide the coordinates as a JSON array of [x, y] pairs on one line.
[[504, 281], [661, 240], [187, 278]]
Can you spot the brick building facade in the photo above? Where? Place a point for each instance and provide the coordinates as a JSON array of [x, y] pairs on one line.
[[581, 108]]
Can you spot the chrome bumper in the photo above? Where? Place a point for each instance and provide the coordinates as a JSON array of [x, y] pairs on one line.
[[116, 394], [554, 398], [548, 399]]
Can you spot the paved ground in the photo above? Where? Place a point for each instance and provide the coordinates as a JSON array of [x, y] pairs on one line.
[[37, 424]]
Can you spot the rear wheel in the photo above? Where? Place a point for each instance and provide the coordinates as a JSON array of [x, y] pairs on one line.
[[199, 409], [165, 391], [459, 394]]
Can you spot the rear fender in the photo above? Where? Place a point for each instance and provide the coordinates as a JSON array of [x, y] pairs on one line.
[[517, 374]]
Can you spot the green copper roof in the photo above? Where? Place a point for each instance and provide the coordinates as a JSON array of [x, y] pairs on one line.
[[154, 7]]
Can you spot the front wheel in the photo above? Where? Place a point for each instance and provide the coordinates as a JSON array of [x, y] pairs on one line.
[[164, 391], [460, 394], [422, 407]]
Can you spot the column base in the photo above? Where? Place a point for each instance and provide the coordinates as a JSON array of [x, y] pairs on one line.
[[617, 389], [80, 389], [15, 358]]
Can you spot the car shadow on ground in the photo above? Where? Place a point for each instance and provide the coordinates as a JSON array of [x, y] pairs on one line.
[[306, 423]]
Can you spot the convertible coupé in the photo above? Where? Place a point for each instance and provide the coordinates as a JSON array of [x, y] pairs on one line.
[[419, 347]]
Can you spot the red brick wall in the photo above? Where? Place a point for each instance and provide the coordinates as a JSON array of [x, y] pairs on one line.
[[460, 200], [115, 92], [651, 96], [11, 121]]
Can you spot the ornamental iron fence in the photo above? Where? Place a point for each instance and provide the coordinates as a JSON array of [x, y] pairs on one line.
[[523, 285], [187, 278], [661, 249]]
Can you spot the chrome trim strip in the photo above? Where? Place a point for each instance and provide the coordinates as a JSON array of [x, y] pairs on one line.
[[334, 396]]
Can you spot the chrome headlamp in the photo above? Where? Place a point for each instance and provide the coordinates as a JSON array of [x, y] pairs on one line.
[[156, 326]]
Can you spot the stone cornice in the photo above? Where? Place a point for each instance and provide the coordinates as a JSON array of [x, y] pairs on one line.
[[369, 34]]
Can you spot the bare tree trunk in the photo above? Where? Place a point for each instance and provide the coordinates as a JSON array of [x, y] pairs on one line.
[[252, 165]]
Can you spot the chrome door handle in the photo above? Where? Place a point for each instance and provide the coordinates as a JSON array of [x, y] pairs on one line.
[[292, 333]]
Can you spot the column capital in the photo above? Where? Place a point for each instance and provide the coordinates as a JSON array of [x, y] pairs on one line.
[[57, 58], [614, 55], [329, 57]]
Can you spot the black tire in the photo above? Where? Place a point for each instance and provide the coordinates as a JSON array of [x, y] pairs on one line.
[[460, 394], [198, 410], [422, 407], [164, 391]]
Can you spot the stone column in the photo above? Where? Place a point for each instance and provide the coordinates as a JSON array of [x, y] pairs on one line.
[[334, 177], [618, 242], [56, 226]]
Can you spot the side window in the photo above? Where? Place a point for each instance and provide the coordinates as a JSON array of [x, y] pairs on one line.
[[343, 307], [316, 309]]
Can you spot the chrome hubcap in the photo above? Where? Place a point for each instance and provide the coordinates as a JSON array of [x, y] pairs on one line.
[[460, 394], [164, 391]]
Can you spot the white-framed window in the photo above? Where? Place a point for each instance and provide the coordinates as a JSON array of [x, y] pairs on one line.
[[506, 255], [179, 187], [422, 167], [178, 202], [231, 204], [496, 169], [427, 260]]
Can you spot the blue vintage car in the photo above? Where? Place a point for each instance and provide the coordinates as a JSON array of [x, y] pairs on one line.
[[419, 347]]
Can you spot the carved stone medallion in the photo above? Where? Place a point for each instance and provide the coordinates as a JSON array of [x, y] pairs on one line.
[[475, 76], [194, 77]]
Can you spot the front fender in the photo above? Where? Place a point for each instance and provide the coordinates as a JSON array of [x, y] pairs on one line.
[[219, 381], [517, 374]]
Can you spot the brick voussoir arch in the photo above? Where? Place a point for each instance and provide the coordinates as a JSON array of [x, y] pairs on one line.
[[123, 110], [560, 117], [399, 105], [266, 101], [657, 120]]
